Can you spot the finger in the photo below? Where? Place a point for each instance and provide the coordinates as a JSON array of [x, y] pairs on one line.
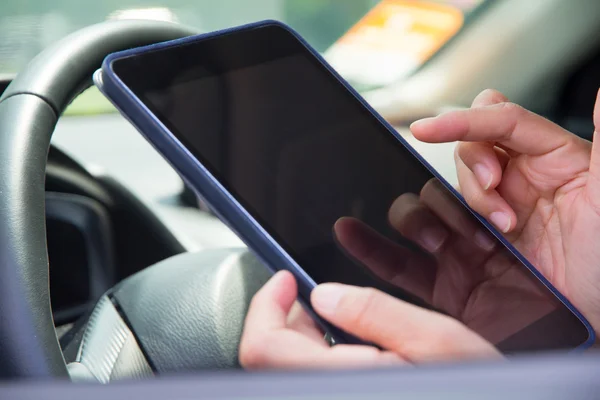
[[414, 333], [386, 259], [358, 356], [488, 203], [301, 322], [484, 160], [486, 172], [271, 305], [487, 98], [505, 123], [503, 157], [416, 222], [288, 350], [454, 215]]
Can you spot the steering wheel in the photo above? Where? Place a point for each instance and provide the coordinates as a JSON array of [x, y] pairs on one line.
[[183, 313]]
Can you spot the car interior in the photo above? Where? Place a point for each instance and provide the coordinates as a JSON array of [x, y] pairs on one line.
[[113, 270]]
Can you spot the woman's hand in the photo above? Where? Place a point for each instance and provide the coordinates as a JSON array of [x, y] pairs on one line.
[[538, 183], [278, 333]]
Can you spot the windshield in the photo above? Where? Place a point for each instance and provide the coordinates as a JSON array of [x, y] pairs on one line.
[[361, 38]]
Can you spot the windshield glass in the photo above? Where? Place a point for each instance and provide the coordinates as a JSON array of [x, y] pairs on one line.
[[371, 42]]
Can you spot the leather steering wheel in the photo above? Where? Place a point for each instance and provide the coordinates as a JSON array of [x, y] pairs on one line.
[[183, 313]]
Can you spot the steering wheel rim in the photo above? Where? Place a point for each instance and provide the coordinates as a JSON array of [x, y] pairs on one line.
[[29, 110]]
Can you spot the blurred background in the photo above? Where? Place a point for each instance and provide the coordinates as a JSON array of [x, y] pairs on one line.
[[28, 26]]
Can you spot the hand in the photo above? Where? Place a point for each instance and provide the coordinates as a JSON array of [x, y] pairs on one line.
[[279, 334], [538, 183]]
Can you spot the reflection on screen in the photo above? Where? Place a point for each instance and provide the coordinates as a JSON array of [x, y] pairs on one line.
[[349, 202]]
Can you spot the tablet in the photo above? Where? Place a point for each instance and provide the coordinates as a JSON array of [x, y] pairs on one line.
[[317, 183]]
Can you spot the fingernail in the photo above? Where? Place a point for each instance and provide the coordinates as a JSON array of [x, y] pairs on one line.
[[421, 122], [484, 176], [501, 220], [433, 238], [326, 297], [484, 240], [279, 275]]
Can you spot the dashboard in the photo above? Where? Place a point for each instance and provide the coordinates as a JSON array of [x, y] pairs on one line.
[[98, 233]]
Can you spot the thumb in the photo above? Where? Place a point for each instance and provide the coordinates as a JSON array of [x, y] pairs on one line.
[[412, 332]]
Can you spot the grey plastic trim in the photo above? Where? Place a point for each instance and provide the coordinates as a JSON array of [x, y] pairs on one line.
[[542, 377], [108, 348], [91, 219]]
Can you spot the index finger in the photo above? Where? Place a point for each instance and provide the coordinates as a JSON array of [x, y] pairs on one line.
[[505, 123]]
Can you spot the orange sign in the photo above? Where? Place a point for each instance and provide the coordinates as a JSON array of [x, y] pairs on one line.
[[393, 39]]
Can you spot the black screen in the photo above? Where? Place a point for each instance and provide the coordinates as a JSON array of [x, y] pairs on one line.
[[336, 189]]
